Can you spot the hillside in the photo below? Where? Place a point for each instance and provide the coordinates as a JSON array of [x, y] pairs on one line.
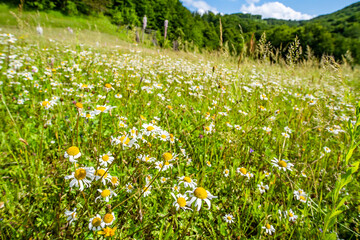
[[333, 34]]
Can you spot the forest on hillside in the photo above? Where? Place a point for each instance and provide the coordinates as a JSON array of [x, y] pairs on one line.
[[336, 34]]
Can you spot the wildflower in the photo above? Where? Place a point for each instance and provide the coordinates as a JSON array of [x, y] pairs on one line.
[[263, 97], [210, 129], [146, 191], [282, 164], [129, 187], [163, 179], [291, 215], [228, 218], [103, 175], [164, 135], [109, 218], [263, 187], [267, 129], [188, 182], [242, 171], [96, 223], [180, 201], [198, 194], [149, 129], [269, 229], [208, 163], [81, 176], [105, 194], [327, 150], [267, 174], [176, 188], [106, 159], [226, 172], [118, 95], [47, 104], [108, 87], [286, 135], [300, 195], [71, 215], [169, 157], [102, 109], [114, 181], [107, 232]]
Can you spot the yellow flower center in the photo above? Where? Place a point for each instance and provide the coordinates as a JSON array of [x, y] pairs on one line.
[[163, 136], [108, 218], [108, 85], [101, 172], [282, 163], [268, 226], [105, 193], [291, 215], [84, 86], [96, 222], [80, 173], [243, 170], [167, 163], [167, 156], [105, 158], [200, 193], [45, 103], [228, 217], [187, 179], [124, 141], [88, 115], [130, 186], [114, 180], [302, 198], [181, 201], [79, 105], [101, 108], [150, 128], [207, 129], [73, 151]]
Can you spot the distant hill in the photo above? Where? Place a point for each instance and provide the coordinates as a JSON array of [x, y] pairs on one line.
[[334, 33]]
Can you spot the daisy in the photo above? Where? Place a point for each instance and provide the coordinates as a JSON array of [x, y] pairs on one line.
[[263, 187], [114, 181], [106, 159], [197, 195], [106, 194], [210, 129], [188, 182], [267, 174], [208, 163], [169, 157], [176, 188], [226, 172], [163, 179], [102, 109], [96, 223], [118, 95], [109, 218], [164, 135], [180, 201], [149, 129], [71, 215], [267, 129], [327, 150], [291, 214], [286, 135], [129, 187], [269, 229], [47, 104], [81, 176], [122, 124], [228, 218], [103, 175], [242, 171], [282, 164], [146, 191]]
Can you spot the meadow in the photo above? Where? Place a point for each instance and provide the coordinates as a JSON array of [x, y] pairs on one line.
[[106, 141]]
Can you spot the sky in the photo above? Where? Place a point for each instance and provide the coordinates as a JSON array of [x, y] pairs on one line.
[[280, 9]]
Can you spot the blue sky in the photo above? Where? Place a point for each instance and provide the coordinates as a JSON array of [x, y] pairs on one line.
[[282, 9]]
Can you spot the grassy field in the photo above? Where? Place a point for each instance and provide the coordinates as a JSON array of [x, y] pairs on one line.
[[104, 138]]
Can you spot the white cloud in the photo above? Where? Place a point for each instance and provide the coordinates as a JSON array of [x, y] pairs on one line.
[[252, 1], [200, 6], [274, 10]]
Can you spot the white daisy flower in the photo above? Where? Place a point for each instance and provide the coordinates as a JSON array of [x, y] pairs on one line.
[[180, 201], [96, 223], [106, 159], [81, 177], [198, 195], [105, 195], [72, 153], [228, 218], [282, 164]]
